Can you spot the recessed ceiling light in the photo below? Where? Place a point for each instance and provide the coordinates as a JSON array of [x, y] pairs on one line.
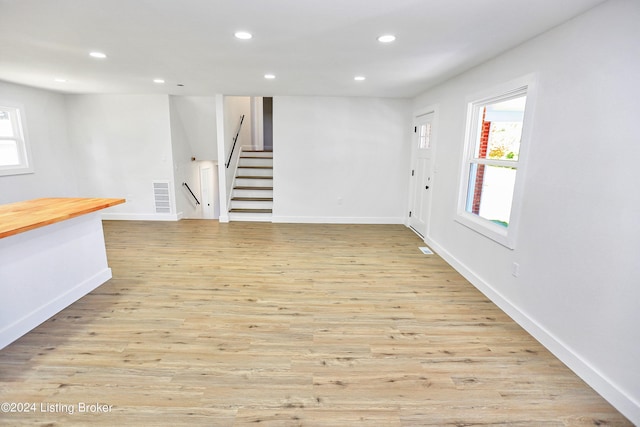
[[243, 35], [98, 55], [387, 38], [60, 80], [159, 81], [359, 78], [270, 76]]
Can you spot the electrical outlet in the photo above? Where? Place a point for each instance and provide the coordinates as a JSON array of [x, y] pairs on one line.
[[515, 269]]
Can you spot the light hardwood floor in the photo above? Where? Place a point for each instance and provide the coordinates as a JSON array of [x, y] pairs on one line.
[[287, 325]]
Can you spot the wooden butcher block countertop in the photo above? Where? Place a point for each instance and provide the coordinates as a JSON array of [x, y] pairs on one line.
[[24, 216]]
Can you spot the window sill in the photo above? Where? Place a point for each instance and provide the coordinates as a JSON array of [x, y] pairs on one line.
[[18, 170], [495, 232]]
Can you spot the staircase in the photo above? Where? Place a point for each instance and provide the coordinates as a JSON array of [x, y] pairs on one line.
[[252, 196]]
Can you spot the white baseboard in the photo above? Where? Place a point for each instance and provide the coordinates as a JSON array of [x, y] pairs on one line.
[[282, 219], [592, 376], [139, 217], [337, 220]]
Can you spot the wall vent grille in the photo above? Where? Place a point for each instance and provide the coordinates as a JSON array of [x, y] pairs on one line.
[[162, 197]]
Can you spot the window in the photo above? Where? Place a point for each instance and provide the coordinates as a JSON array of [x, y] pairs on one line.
[[14, 151], [489, 195], [425, 136]]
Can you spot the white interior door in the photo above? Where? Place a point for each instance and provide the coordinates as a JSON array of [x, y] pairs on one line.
[[421, 173], [206, 188]]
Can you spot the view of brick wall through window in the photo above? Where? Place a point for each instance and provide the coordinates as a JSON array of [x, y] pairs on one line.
[[482, 154]]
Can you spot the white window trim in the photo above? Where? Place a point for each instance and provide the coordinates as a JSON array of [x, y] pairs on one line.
[[505, 236], [26, 165]]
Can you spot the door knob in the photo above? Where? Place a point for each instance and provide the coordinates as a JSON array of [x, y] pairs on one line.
[[426, 187]]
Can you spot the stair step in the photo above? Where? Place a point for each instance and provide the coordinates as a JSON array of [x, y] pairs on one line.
[[253, 199], [260, 182], [255, 171], [245, 210], [263, 173], [253, 192], [251, 203], [256, 161], [249, 187], [258, 154]]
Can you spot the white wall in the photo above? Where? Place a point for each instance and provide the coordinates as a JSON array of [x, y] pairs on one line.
[[193, 134], [579, 238], [234, 107], [184, 170], [197, 114], [341, 159], [122, 143], [46, 130], [257, 125]]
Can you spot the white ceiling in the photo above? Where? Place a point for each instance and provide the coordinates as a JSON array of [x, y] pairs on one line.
[[314, 47]]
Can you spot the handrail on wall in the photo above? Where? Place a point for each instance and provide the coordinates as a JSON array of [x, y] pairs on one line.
[[194, 196], [235, 139]]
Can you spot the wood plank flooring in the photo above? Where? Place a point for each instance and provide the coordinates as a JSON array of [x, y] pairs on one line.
[[248, 324]]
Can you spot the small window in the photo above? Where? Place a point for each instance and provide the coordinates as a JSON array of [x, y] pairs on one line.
[[492, 162], [14, 151], [425, 136]]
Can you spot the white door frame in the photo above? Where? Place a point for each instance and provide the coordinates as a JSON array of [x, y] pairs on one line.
[[425, 206]]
